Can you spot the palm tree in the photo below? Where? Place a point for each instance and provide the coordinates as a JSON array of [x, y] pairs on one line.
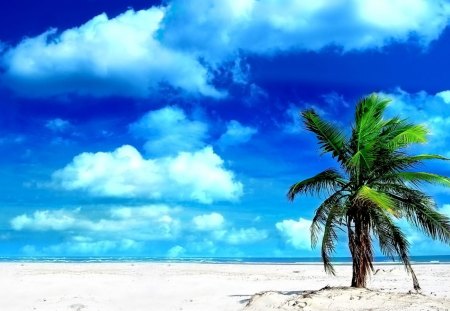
[[374, 187]]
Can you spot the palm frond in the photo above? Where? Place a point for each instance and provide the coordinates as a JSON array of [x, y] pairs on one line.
[[370, 108], [417, 177], [331, 139], [362, 159], [392, 241], [366, 133], [401, 134], [422, 157], [328, 180], [330, 238], [391, 162], [433, 223], [420, 210], [377, 198], [322, 212]]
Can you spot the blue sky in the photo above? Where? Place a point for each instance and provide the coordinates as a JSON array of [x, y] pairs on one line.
[[149, 128]]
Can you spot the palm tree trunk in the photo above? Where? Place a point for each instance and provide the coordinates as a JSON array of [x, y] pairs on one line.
[[360, 246]]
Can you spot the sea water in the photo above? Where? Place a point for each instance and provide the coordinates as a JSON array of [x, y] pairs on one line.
[[432, 259]]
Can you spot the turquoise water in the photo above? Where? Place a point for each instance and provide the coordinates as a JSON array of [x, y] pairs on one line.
[[435, 259]]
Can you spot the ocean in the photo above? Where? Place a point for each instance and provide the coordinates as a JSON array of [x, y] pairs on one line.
[[432, 259]]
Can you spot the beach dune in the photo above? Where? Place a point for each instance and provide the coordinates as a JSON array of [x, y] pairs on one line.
[[345, 298], [224, 287]]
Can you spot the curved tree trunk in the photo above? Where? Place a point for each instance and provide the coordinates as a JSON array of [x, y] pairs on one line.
[[360, 245]]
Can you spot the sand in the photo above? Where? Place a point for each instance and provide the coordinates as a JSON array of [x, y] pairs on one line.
[[224, 287]]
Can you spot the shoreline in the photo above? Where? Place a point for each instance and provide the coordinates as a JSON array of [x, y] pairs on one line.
[[245, 263], [437, 259], [193, 286]]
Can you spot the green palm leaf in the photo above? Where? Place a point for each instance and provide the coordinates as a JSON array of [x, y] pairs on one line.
[[392, 241], [401, 134], [417, 177], [422, 157], [330, 238], [420, 210], [397, 161], [331, 139], [379, 199], [328, 180], [322, 212], [366, 133]]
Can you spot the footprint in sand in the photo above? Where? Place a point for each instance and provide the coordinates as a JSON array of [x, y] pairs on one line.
[[77, 307]]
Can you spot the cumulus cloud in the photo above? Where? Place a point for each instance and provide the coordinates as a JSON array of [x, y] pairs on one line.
[[152, 222], [168, 131], [177, 44], [179, 165], [236, 133], [245, 235], [189, 176], [445, 95], [208, 222], [296, 232], [44, 220], [217, 29], [85, 232], [105, 56], [89, 234], [215, 229]]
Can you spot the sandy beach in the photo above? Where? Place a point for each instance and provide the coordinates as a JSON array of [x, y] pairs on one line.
[[225, 287]]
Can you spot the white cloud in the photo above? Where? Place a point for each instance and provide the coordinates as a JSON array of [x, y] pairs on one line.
[[139, 224], [215, 229], [445, 95], [189, 176], [45, 220], [208, 222], [57, 125], [134, 53], [85, 232], [296, 233], [168, 130], [105, 56], [236, 133], [245, 235], [116, 218], [218, 29]]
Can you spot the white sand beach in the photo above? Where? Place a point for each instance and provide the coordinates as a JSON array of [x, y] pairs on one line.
[[224, 287]]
